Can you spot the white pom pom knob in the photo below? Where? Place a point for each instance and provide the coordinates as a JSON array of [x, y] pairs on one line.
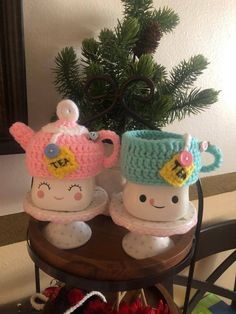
[[67, 110]]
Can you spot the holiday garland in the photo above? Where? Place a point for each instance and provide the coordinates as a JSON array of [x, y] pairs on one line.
[[126, 52]]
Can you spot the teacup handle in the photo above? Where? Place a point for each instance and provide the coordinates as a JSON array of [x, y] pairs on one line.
[[216, 152], [113, 158]]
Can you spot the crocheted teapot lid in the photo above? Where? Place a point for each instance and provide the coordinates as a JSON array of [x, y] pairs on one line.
[[68, 115], [59, 158]]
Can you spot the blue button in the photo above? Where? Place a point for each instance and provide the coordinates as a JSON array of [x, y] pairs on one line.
[[52, 150], [93, 135]]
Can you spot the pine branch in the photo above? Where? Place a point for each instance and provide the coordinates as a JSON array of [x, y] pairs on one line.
[[136, 8], [144, 66], [115, 48], [94, 69], [186, 73], [90, 50], [127, 51], [126, 32], [192, 103], [161, 105], [160, 74], [152, 24], [67, 74], [107, 38], [166, 18]]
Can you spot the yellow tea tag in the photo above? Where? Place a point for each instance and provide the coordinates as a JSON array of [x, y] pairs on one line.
[[63, 163], [175, 172]]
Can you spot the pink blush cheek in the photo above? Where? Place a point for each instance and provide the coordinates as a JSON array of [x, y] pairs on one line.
[[78, 196], [40, 194], [151, 201]]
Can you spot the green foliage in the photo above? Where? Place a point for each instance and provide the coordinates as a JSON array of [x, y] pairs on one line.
[[188, 103], [145, 66], [90, 50], [67, 74], [112, 54], [166, 18], [127, 32], [137, 8], [186, 73], [143, 11]]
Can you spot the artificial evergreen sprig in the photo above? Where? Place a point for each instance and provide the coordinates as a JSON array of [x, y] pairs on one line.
[[186, 73], [127, 31], [166, 18], [143, 11], [126, 52], [137, 8], [187, 103], [153, 23], [90, 50], [67, 74]]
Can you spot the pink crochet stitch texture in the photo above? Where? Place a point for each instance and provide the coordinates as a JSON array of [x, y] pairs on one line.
[[89, 154], [21, 133]]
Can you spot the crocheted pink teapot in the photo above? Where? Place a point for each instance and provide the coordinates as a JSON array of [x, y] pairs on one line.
[[63, 158]]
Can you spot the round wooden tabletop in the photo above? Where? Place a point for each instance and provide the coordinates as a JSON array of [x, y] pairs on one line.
[[101, 263]]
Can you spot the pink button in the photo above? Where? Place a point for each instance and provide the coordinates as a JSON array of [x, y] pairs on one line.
[[185, 158]]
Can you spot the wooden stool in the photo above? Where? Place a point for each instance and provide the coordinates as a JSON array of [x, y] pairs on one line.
[[101, 264]]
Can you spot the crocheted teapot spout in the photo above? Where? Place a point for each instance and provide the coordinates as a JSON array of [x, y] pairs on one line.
[[68, 115], [22, 134]]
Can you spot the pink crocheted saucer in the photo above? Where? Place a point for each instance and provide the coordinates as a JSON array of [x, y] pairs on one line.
[[97, 207], [159, 229]]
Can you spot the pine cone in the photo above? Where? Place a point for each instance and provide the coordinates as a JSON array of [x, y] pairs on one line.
[[148, 40]]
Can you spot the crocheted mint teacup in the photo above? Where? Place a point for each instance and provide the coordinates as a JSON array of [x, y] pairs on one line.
[[154, 158]]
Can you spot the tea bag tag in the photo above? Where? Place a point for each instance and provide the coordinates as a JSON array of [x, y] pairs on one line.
[[179, 168], [60, 160]]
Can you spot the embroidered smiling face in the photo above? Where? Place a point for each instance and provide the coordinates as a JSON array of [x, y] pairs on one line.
[[155, 203], [62, 195]]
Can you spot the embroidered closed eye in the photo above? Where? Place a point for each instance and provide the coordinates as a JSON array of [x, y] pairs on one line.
[[75, 185], [44, 183]]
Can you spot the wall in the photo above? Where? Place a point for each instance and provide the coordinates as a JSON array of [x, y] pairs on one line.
[[207, 27]]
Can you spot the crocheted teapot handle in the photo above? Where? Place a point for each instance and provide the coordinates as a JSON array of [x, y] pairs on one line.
[[216, 152], [113, 158]]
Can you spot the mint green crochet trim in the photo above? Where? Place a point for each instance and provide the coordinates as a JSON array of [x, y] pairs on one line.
[[144, 152], [216, 152]]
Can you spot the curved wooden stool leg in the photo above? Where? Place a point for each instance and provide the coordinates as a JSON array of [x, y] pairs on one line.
[[37, 278], [233, 303]]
